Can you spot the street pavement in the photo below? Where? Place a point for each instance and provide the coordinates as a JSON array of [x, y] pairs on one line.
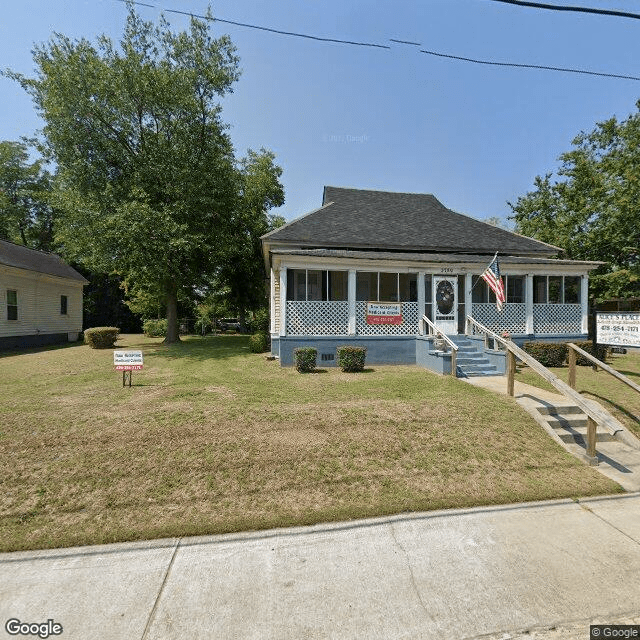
[[537, 570]]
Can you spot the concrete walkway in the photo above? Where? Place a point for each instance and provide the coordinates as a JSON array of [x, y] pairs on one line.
[[501, 572], [618, 459]]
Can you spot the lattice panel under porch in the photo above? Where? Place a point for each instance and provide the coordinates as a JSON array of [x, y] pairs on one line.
[[409, 324], [557, 318], [316, 318], [512, 318]]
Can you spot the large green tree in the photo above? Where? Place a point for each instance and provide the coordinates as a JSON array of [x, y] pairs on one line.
[[591, 208], [26, 216], [147, 179]]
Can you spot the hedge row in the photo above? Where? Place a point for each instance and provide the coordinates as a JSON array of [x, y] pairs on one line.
[[555, 354]]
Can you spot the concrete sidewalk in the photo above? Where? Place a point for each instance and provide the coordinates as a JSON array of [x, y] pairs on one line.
[[494, 571]]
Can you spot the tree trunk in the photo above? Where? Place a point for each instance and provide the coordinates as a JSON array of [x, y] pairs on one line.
[[173, 333], [242, 319]]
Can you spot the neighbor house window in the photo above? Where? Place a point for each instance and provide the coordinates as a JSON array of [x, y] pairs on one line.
[[63, 305], [316, 285], [12, 304]]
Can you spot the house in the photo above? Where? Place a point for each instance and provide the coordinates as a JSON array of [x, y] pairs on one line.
[[40, 298], [387, 271]]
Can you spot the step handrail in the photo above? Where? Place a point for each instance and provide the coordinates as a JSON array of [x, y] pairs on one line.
[[598, 415], [573, 348], [454, 347]]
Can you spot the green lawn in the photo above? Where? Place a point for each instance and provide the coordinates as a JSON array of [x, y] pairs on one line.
[[212, 438], [615, 396]]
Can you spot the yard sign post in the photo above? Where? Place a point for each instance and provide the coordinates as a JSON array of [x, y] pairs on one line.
[[127, 362]]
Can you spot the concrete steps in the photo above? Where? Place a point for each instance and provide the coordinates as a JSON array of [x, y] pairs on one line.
[[471, 362]]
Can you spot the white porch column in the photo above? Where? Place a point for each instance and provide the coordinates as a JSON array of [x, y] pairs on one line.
[[283, 301], [351, 297], [468, 297], [584, 301], [421, 299], [272, 302], [528, 298]]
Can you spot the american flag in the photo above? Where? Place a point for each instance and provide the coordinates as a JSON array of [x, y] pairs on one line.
[[492, 277]]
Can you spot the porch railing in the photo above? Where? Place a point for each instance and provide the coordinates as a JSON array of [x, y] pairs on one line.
[[428, 328]]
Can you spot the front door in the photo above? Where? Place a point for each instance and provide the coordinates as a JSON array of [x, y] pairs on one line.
[[445, 316]]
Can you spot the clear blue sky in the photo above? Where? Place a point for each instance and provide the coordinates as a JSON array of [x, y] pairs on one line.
[[397, 120]]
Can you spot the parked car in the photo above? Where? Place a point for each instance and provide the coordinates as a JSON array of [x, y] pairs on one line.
[[226, 324]]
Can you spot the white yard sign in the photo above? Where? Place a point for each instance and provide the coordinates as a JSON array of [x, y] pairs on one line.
[[127, 360], [619, 329]]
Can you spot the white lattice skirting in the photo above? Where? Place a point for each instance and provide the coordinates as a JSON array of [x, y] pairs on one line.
[[512, 318], [557, 318], [316, 318], [409, 324]]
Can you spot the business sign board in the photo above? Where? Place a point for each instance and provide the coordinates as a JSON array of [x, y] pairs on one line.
[[384, 313], [127, 360], [618, 329]]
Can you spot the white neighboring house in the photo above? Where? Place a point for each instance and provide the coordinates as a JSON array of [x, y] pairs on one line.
[[40, 298]]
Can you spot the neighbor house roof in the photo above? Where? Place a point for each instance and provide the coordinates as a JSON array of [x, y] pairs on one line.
[[15, 255], [364, 219]]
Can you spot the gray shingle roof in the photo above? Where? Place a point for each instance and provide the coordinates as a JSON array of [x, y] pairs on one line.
[[360, 219], [15, 255]]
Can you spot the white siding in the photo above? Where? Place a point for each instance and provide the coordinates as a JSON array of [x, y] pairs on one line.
[[39, 303]]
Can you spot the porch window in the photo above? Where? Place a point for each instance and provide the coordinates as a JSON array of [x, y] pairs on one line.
[[572, 289], [428, 297], [540, 289], [515, 288], [481, 292], [12, 304], [386, 286], [556, 289], [315, 284]]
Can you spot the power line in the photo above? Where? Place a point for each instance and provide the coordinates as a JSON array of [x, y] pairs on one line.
[[268, 29], [560, 7], [382, 46], [530, 66]]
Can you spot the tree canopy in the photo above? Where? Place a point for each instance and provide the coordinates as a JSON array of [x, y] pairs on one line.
[[591, 209], [147, 181], [26, 216]]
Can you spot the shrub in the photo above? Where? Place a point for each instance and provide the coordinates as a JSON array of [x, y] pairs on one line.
[[259, 343], [305, 358], [155, 328], [587, 345], [549, 354], [101, 337], [260, 321], [351, 359]]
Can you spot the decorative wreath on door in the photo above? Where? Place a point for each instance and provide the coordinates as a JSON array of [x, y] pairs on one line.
[[445, 297]]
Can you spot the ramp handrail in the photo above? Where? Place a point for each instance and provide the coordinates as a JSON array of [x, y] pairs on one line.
[[454, 347], [573, 349], [594, 414]]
